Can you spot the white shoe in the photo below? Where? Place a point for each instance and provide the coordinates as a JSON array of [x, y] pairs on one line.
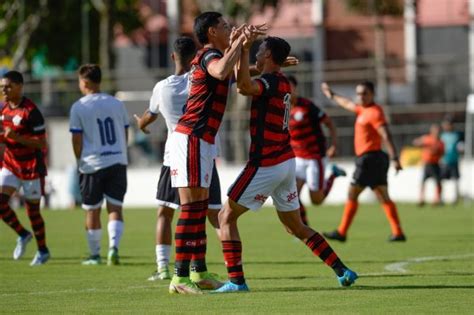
[[20, 247], [40, 258]]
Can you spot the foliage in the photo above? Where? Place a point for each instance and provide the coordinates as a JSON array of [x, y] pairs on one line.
[[380, 7]]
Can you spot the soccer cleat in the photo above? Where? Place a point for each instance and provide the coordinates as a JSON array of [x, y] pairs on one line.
[[93, 260], [397, 238], [337, 171], [348, 278], [230, 287], [20, 247], [41, 257], [113, 257], [335, 235], [160, 274], [206, 280], [183, 285]]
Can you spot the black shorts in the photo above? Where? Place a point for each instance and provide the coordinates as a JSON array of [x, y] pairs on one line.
[[371, 169], [450, 171], [169, 197], [432, 170], [110, 182]]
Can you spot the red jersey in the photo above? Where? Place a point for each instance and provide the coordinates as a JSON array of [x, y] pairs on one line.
[[269, 118], [307, 138], [366, 136], [207, 98], [26, 120], [433, 149]]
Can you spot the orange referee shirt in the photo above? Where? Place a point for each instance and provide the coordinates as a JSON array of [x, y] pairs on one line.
[[433, 149], [366, 137]]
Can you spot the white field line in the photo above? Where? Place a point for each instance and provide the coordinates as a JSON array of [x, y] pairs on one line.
[[401, 267]]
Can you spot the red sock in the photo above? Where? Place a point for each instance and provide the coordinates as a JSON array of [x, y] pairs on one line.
[[392, 216], [10, 218], [233, 260], [37, 223], [350, 210]]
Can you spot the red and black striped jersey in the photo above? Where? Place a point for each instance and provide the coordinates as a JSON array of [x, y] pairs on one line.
[[207, 98], [269, 115], [307, 138], [26, 120]]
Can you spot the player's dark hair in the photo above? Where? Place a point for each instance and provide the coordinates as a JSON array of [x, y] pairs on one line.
[[185, 48], [91, 72], [203, 22], [292, 80], [14, 76], [279, 48], [448, 118], [369, 85]]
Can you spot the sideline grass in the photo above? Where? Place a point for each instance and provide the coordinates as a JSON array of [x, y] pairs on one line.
[[281, 272]]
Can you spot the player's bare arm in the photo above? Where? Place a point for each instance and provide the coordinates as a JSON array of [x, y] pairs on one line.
[[245, 84], [32, 142], [222, 68], [332, 150], [384, 132], [339, 100], [77, 144], [145, 120]]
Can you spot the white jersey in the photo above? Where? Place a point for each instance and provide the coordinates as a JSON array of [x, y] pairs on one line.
[[169, 98], [102, 120]]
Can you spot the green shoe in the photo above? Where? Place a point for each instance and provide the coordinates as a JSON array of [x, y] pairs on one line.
[[183, 285], [113, 257], [160, 274], [93, 260], [206, 280]]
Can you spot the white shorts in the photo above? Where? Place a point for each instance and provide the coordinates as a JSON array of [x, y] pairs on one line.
[[255, 184], [31, 188], [312, 172], [191, 161]]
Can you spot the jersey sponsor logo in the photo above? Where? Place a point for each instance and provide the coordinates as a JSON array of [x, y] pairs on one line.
[[174, 172], [260, 198], [292, 196], [16, 120]]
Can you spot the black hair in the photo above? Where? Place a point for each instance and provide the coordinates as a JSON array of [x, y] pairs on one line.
[[14, 76], [279, 48], [292, 80], [368, 85], [185, 48], [91, 72], [203, 22]]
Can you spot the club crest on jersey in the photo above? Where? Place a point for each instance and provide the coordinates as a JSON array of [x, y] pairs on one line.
[[16, 120], [299, 115]]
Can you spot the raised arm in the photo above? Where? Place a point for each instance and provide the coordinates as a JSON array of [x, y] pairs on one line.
[[223, 67], [384, 132], [339, 100], [245, 84]]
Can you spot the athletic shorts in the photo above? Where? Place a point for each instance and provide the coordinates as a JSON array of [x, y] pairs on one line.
[[432, 170], [450, 171], [32, 189], [371, 169], [110, 182], [312, 172], [255, 184], [169, 197], [191, 161]]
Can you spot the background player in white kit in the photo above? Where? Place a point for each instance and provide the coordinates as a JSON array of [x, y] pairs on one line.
[[169, 98], [98, 123]]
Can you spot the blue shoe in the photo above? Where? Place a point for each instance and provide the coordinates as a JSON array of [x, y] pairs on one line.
[[230, 287], [348, 278], [40, 258], [21, 243], [337, 171]]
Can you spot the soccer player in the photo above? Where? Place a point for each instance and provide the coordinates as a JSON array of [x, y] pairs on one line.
[[432, 152], [168, 98], [99, 126], [193, 151], [270, 170], [372, 163], [309, 145], [453, 146], [24, 137]]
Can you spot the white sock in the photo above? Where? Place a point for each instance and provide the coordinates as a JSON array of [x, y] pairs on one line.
[[93, 239], [115, 229], [162, 255]]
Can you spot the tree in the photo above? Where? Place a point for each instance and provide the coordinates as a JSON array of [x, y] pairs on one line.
[[377, 9]]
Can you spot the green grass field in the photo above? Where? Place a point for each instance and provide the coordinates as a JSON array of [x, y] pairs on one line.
[[282, 274]]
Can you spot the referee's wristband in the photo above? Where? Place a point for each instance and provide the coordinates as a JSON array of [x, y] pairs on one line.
[[395, 158]]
